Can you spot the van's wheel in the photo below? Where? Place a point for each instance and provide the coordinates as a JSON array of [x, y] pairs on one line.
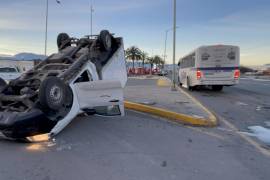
[[105, 39], [190, 88], [217, 88], [63, 40], [54, 94]]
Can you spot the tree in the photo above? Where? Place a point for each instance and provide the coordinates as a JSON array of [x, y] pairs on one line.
[[133, 53], [144, 56], [158, 60], [162, 63], [151, 61]]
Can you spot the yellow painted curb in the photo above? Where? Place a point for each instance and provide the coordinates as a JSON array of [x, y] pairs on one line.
[[212, 119], [176, 117], [163, 82]]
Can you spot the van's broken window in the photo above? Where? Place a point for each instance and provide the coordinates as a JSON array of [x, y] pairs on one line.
[[84, 77]]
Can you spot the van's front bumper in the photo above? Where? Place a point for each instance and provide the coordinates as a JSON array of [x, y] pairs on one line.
[[16, 125]]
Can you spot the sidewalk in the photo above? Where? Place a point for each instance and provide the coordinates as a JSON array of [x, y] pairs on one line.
[[152, 92]]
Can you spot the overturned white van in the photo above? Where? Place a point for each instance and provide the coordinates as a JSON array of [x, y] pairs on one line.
[[87, 75]]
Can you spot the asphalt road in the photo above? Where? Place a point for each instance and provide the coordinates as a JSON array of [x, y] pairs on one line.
[[246, 104], [134, 147]]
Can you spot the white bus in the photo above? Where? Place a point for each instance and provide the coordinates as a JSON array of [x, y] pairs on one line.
[[214, 66]]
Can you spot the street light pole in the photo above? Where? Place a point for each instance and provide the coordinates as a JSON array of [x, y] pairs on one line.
[[174, 46], [46, 28], [91, 21], [165, 47]]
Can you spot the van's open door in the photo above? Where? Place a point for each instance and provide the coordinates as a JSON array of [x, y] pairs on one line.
[[105, 97]]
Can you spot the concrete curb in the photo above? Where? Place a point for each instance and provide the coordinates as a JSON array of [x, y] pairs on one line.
[[170, 115], [211, 121]]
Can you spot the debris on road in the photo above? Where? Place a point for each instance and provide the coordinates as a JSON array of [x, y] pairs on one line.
[[241, 103], [164, 164], [146, 102]]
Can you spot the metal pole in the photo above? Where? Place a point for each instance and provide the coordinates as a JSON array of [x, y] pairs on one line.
[[174, 45], [46, 28], [165, 48], [92, 10], [166, 39]]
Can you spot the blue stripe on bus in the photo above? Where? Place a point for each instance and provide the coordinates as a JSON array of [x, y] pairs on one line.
[[218, 68]]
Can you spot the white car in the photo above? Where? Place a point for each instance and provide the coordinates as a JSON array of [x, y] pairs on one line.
[[9, 73], [87, 75]]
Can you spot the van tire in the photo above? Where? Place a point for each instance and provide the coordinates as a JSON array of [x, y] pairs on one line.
[[217, 87], [105, 39], [53, 93], [63, 40]]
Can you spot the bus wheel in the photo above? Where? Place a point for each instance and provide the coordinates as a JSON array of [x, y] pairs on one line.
[[217, 88], [179, 82], [188, 85]]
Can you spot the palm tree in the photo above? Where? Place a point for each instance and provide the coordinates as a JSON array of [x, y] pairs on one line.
[[151, 61], [158, 60], [133, 53], [162, 63], [144, 56]]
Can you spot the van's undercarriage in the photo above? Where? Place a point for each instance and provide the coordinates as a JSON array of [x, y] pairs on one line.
[[33, 103]]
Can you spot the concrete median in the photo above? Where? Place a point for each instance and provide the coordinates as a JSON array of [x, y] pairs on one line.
[[176, 117], [176, 106]]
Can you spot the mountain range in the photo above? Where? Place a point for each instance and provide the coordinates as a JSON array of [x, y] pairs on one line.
[[23, 57]]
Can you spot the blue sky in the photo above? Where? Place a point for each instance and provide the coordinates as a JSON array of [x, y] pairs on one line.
[[141, 23]]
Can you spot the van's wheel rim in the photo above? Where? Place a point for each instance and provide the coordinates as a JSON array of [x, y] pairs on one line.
[[52, 93], [56, 94]]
